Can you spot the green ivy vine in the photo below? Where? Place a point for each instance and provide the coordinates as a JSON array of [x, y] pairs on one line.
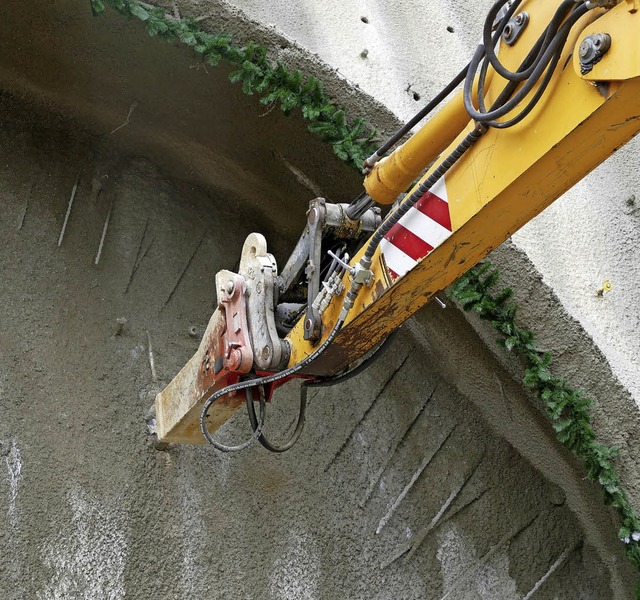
[[352, 141], [568, 408]]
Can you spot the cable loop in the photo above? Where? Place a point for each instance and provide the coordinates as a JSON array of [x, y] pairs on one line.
[[256, 431]]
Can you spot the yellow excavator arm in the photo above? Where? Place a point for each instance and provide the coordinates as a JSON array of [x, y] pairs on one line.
[[552, 91]]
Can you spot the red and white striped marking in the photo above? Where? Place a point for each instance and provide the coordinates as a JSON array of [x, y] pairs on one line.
[[425, 226]]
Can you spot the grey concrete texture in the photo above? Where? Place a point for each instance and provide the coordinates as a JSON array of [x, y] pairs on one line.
[[433, 475], [93, 511]]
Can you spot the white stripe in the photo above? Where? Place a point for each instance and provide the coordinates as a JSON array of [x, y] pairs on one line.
[[424, 227], [439, 189], [396, 259]]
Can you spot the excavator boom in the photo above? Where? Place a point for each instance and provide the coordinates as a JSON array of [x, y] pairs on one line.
[[563, 95]]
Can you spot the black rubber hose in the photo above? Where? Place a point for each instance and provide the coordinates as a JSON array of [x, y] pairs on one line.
[[556, 43], [511, 87], [526, 67], [242, 385], [489, 41], [534, 100], [297, 432], [435, 102], [359, 206], [355, 210], [304, 391], [256, 431], [446, 91]]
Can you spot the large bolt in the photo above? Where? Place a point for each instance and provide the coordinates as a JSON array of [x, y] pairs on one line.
[[235, 358], [592, 49], [230, 287], [266, 353]]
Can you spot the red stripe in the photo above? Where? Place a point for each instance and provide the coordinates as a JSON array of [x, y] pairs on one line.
[[436, 208], [393, 274], [408, 242]]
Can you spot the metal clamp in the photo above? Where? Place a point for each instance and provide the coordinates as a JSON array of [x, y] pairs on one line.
[[359, 274], [514, 28], [316, 219]]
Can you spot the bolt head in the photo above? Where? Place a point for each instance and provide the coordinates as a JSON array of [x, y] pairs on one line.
[[235, 358], [585, 47], [230, 287]]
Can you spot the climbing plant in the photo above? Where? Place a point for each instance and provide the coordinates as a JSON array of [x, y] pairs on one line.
[[568, 408], [352, 140]]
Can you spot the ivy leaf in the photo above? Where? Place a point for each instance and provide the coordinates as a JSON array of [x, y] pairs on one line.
[[97, 7], [138, 11], [310, 112], [562, 425]]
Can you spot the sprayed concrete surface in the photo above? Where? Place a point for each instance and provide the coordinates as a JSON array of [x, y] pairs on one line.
[[431, 476]]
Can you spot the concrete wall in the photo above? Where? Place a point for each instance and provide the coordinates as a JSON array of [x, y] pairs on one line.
[[433, 475]]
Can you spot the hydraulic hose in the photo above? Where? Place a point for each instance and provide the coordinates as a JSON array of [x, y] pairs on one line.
[[304, 391], [548, 53], [259, 381]]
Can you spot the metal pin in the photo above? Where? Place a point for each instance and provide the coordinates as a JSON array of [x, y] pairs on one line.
[[66, 217], [104, 233], [440, 302], [152, 363]]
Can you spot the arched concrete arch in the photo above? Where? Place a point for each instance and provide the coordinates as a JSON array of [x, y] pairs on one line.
[[433, 475]]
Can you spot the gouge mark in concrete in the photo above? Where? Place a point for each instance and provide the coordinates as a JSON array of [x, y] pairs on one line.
[[487, 557], [407, 488], [392, 451], [554, 567], [69, 206], [138, 259], [366, 413], [184, 271]]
